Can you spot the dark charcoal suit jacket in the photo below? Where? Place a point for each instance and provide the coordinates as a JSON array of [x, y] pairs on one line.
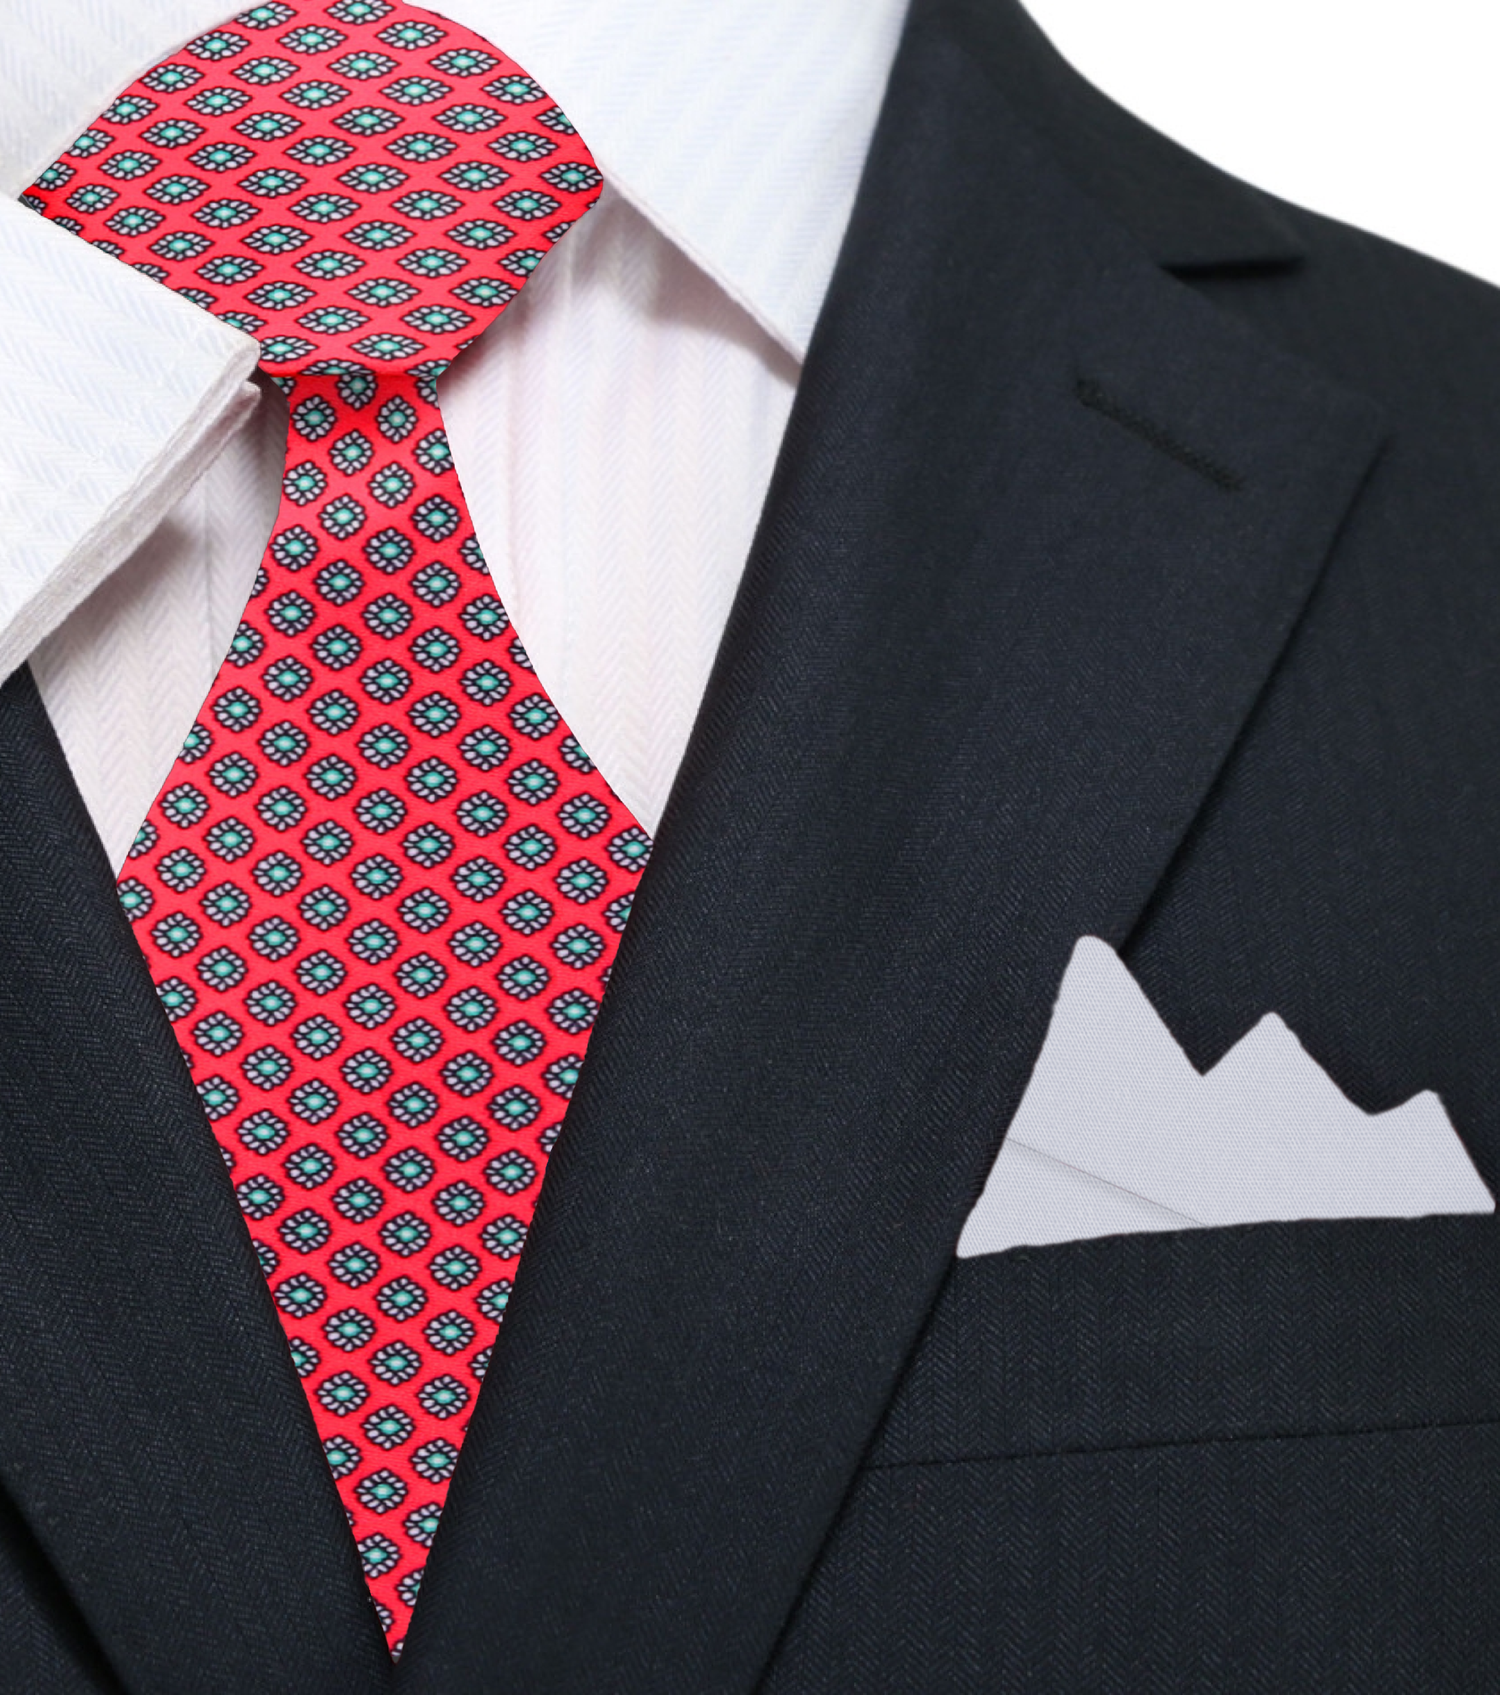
[[1132, 568]]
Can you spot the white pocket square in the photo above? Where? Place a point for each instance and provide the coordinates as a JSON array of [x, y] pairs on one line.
[[1118, 1132]]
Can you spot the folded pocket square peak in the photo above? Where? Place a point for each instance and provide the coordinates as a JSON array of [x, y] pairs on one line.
[[1119, 1132]]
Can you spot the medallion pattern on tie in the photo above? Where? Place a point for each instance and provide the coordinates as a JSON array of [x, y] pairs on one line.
[[383, 885]]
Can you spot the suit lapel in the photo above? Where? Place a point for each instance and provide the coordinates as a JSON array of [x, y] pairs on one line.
[[1042, 524], [152, 1431]]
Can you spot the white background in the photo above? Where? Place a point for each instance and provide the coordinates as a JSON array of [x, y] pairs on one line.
[[1384, 114]]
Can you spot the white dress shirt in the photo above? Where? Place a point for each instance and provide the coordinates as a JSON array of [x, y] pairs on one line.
[[615, 430]]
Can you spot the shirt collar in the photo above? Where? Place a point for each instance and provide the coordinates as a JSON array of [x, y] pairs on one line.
[[739, 129]]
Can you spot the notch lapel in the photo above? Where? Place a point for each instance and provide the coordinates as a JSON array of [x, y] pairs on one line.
[[152, 1431], [1042, 524]]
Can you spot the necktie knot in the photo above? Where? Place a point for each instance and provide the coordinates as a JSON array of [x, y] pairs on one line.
[[362, 193]]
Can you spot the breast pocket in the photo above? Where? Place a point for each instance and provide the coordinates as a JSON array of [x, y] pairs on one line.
[[1258, 1458]]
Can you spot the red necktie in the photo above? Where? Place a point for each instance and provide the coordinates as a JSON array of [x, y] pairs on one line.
[[383, 885]]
